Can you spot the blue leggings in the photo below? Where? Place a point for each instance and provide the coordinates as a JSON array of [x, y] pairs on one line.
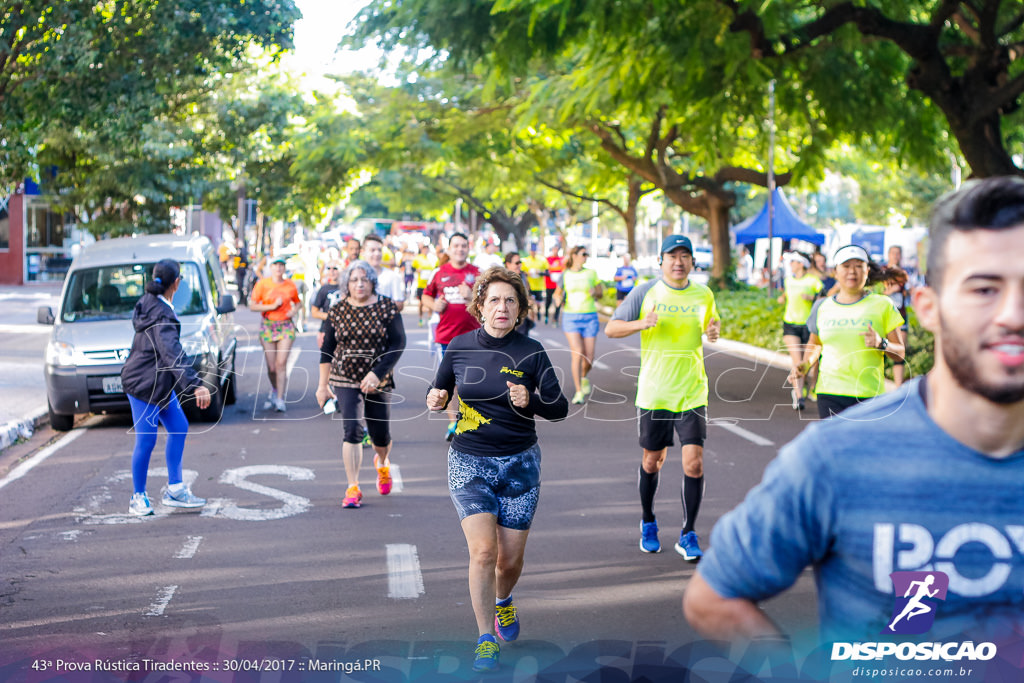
[[145, 416]]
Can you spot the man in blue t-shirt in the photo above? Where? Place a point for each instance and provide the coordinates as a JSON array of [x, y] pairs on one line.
[[625, 278], [921, 486]]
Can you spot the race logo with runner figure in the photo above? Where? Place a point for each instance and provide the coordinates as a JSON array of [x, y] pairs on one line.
[[916, 592]]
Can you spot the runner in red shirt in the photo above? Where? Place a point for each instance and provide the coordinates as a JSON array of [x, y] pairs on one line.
[[448, 293], [556, 264]]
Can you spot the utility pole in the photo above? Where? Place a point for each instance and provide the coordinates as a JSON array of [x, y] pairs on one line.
[[771, 184]]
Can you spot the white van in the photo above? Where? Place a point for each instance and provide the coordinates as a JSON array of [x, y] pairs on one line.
[[92, 330]]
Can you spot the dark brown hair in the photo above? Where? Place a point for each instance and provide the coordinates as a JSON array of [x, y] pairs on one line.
[[570, 260], [989, 204], [498, 274]]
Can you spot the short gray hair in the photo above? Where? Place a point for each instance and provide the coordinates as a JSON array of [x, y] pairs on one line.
[[358, 264]]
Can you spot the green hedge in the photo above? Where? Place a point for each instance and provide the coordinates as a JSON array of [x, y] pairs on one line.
[[753, 317]]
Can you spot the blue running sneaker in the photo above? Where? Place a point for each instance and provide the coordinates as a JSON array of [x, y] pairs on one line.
[[139, 505], [180, 496], [506, 621], [486, 654], [689, 547], [649, 537]]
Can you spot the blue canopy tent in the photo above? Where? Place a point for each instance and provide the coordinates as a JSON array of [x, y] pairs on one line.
[[786, 225]]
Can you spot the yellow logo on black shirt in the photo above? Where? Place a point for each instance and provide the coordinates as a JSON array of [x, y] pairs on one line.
[[470, 418], [517, 373]]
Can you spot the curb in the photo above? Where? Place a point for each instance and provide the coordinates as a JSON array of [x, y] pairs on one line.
[[14, 430]]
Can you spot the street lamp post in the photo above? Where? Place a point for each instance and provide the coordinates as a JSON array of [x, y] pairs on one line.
[[771, 183]]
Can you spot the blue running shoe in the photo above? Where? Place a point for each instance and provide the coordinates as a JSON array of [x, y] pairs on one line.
[[649, 537], [180, 496], [486, 654], [689, 547], [506, 621]]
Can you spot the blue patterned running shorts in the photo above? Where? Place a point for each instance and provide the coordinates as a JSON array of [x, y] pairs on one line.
[[507, 486]]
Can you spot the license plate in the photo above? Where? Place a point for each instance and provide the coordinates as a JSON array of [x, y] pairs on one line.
[[112, 385]]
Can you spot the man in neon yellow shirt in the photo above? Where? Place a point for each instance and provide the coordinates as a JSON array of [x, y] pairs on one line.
[[423, 263], [671, 313], [535, 268]]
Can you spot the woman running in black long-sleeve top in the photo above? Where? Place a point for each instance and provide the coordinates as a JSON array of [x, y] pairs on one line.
[[504, 381]]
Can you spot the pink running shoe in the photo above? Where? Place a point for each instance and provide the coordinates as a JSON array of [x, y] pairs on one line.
[[353, 497], [384, 480]]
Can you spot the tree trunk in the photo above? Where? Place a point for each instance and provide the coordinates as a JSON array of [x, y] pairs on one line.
[[981, 143], [629, 215], [718, 230]]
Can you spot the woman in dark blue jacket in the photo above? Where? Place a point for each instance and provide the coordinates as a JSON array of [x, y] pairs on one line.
[[156, 370]]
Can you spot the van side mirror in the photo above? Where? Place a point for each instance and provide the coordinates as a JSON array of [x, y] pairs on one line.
[[44, 315], [226, 305]]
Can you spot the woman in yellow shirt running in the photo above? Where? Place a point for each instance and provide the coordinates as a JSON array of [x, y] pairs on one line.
[[799, 292], [580, 289], [851, 333]]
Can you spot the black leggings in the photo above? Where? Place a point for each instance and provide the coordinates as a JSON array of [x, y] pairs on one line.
[[377, 409]]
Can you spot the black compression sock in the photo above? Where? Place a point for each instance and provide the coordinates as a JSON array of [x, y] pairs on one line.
[[692, 492], [648, 487]]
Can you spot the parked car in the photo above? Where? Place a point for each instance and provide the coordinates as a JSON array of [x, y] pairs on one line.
[[92, 330]]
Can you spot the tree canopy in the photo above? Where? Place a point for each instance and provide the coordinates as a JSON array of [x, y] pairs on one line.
[[109, 68]]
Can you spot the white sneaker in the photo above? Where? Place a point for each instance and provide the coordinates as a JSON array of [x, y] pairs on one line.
[[139, 505], [182, 498], [271, 401], [279, 405]]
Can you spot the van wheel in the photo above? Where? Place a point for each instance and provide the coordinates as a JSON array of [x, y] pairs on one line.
[[229, 386], [59, 421]]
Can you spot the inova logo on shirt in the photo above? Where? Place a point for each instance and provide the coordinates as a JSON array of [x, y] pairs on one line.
[[672, 308], [843, 323]]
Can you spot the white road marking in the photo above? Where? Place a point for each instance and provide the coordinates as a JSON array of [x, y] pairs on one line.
[[396, 479], [163, 597], [248, 349], [404, 578], [71, 535], [293, 505], [188, 551], [26, 329], [740, 431], [25, 467]]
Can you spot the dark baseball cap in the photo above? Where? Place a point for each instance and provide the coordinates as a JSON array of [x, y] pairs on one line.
[[673, 242]]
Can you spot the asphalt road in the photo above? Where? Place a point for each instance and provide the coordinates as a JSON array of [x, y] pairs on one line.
[[273, 579]]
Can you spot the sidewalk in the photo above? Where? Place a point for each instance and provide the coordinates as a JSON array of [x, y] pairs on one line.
[[23, 393]]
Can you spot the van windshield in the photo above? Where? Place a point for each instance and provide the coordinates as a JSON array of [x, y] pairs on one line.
[[110, 292]]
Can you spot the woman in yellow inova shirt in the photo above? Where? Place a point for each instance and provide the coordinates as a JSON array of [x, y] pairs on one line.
[[850, 334], [799, 293]]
